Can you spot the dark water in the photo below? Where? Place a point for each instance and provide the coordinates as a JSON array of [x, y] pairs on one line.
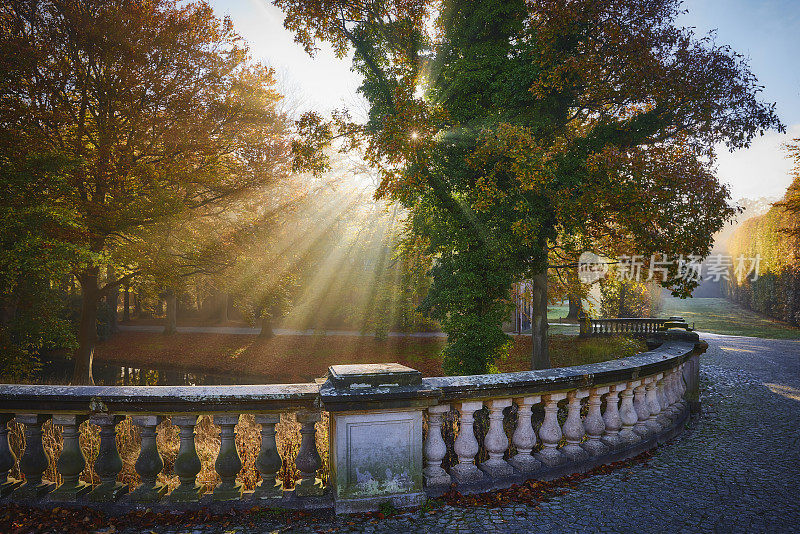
[[58, 370]]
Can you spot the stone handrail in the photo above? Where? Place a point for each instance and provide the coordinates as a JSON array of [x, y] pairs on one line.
[[629, 325], [379, 447]]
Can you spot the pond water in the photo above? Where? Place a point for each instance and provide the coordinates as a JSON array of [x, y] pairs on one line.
[[58, 370]]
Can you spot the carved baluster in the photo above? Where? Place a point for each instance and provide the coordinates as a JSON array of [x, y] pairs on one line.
[[651, 397], [149, 463], [682, 404], [496, 441], [611, 418], [573, 427], [627, 414], [187, 463], [268, 461], [72, 462], [108, 463], [308, 459], [7, 458], [524, 438], [466, 446], [550, 431], [664, 418], [34, 460], [228, 463], [594, 423], [642, 411], [435, 448], [672, 394]]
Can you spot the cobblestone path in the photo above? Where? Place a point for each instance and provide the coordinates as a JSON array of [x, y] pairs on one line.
[[737, 469]]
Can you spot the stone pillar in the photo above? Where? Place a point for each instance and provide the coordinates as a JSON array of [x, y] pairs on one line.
[[682, 402], [435, 448], [611, 418], [496, 441], [642, 411], [108, 463], [524, 438], [663, 418], [573, 427], [672, 394], [149, 463], [594, 424], [308, 459], [268, 461], [7, 458], [187, 464], [653, 406], [627, 414], [34, 460], [466, 446], [228, 463], [550, 431], [72, 462]]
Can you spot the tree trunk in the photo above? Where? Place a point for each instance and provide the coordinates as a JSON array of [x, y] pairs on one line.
[[224, 300], [137, 305], [540, 355], [87, 330], [575, 306], [266, 326], [126, 303], [170, 326], [112, 297]]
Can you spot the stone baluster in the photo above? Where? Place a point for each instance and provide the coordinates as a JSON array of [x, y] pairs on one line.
[[611, 418], [682, 404], [435, 448], [7, 458], [187, 463], [308, 459], [664, 418], [573, 427], [268, 461], [524, 438], [627, 414], [550, 431], [642, 411], [108, 463], [34, 460], [72, 462], [466, 446], [149, 463], [674, 393], [496, 441], [228, 462], [677, 391], [594, 423], [654, 407]]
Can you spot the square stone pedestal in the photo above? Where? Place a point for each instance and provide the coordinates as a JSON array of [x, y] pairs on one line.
[[376, 435]]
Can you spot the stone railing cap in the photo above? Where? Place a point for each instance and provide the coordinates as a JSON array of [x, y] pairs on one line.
[[373, 375]]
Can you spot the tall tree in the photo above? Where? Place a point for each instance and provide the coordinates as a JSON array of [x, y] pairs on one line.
[[526, 120], [160, 105]]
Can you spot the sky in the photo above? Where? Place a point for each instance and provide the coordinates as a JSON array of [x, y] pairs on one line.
[[764, 31]]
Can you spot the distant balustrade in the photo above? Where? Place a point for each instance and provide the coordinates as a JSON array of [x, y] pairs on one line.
[[634, 326], [510, 427]]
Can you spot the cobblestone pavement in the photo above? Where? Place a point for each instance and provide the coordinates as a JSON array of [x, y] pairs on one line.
[[736, 470]]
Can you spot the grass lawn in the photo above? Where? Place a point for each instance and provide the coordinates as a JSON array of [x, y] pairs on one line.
[[302, 358], [721, 316]]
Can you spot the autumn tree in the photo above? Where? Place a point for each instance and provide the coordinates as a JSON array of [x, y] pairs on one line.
[[518, 122], [160, 107]]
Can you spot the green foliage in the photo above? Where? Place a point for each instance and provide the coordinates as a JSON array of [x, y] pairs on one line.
[[35, 259]]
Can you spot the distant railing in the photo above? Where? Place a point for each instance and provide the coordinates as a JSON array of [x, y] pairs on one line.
[[629, 325], [378, 450]]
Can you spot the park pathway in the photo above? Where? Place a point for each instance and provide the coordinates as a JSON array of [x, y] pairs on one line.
[[737, 469]]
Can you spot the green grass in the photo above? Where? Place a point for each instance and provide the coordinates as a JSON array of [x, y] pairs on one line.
[[721, 316]]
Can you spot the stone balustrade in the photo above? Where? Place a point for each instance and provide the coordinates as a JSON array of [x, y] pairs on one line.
[[634, 326], [387, 431]]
